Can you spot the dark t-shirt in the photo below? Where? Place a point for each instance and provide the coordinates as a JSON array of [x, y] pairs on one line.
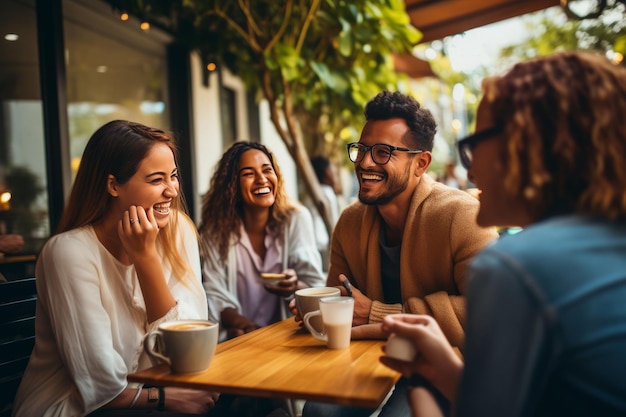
[[390, 270]]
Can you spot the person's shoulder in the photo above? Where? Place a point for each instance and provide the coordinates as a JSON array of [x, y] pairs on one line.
[[444, 202], [298, 213], [541, 243], [298, 210], [354, 208], [443, 194], [558, 233], [74, 236], [297, 206], [353, 215], [571, 246], [71, 242]]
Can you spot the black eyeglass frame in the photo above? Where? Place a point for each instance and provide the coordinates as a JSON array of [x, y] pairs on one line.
[[466, 144], [367, 149]]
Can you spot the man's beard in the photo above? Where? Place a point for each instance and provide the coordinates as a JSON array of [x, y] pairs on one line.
[[395, 186]]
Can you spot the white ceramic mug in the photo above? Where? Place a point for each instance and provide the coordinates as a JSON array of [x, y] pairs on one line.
[[336, 313], [187, 346], [307, 300]]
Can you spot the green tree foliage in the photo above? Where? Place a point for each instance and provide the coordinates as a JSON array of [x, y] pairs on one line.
[[316, 62], [552, 31], [546, 31]]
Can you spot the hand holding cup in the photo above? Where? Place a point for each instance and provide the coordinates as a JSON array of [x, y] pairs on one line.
[[283, 284], [400, 348], [435, 359]]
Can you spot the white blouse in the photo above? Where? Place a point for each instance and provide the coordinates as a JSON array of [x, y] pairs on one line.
[[91, 320]]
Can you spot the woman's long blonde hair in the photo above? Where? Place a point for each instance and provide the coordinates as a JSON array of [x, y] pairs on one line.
[[117, 149], [222, 205], [564, 119]]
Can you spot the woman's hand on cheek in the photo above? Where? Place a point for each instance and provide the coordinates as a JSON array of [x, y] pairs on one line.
[[138, 230]]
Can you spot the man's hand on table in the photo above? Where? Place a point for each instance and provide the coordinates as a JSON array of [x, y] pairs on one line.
[[368, 331], [362, 304]]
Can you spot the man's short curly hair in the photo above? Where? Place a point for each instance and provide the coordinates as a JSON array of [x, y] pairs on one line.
[[422, 126]]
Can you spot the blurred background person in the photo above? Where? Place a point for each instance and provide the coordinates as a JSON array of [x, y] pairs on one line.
[[249, 227], [450, 177], [323, 171], [546, 323], [11, 243]]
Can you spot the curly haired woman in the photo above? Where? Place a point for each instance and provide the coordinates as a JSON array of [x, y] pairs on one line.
[[248, 228], [546, 323]]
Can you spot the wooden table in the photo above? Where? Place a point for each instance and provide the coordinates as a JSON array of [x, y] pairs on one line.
[[284, 361], [11, 259]]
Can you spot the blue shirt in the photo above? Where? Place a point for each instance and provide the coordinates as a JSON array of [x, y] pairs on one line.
[[546, 329]]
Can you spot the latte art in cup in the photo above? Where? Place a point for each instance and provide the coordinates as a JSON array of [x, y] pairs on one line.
[[188, 345], [187, 326]]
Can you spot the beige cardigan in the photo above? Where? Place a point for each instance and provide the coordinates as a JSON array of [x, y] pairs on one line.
[[440, 238]]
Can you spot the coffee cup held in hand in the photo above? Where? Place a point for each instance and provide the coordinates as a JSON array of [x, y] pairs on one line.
[[336, 313], [307, 300], [400, 348], [187, 346]]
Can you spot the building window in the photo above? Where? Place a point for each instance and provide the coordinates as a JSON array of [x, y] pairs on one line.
[[23, 197], [229, 116], [114, 71]]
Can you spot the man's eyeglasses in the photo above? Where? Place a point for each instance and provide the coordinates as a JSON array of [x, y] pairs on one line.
[[466, 145], [381, 153]]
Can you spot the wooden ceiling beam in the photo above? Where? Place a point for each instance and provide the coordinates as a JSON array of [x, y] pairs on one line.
[[437, 19]]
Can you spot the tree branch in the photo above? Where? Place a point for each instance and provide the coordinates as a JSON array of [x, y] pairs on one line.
[[245, 35], [266, 85], [288, 108], [245, 7], [300, 155], [283, 26], [307, 22]]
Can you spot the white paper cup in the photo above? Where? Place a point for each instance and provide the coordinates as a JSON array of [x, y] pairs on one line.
[[400, 348]]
